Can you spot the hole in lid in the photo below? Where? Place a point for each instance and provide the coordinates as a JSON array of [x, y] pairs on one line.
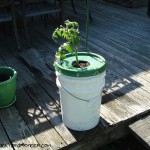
[[82, 64]]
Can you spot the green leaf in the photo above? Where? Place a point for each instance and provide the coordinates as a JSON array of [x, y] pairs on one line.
[[69, 32]]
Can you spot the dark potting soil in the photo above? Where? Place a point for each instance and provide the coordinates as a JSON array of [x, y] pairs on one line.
[[128, 142], [82, 64], [4, 77]]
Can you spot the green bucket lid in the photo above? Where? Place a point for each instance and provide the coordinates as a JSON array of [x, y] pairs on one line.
[[97, 65]]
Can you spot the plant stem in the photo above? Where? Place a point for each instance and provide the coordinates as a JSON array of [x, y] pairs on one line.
[[87, 24], [76, 55]]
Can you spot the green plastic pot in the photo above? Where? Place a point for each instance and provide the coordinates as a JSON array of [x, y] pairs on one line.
[[7, 87]]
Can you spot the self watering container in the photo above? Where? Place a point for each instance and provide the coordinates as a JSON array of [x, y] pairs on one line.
[[80, 90]]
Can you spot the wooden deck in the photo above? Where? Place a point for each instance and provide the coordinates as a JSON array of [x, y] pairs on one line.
[[119, 34], [141, 130]]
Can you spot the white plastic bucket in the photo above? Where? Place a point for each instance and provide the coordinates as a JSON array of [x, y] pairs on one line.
[[80, 99]]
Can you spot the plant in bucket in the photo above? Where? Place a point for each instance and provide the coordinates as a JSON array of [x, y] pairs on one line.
[[80, 78], [7, 86]]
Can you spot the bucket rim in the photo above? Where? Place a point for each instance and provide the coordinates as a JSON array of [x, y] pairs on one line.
[[12, 78], [97, 65]]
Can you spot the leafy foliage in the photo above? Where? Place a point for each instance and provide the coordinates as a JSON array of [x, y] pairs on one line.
[[69, 32]]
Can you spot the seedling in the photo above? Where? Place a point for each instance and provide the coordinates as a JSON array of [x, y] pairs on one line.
[[69, 32]]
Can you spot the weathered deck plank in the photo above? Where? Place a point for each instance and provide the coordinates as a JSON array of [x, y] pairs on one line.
[[16, 128], [45, 42], [127, 71], [44, 102], [127, 15], [92, 49], [33, 117], [128, 3], [141, 130], [114, 30], [44, 52], [4, 141]]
